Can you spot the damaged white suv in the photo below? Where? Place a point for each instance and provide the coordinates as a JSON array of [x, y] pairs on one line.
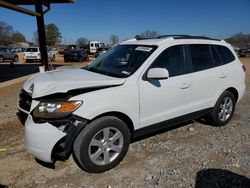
[[135, 88]]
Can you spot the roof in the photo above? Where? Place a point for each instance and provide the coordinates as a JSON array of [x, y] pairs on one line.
[[32, 2]]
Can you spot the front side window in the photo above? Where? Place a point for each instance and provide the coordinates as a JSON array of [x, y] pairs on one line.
[[201, 57], [121, 61], [172, 59]]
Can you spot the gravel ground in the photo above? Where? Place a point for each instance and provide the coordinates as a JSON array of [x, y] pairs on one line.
[[193, 155]]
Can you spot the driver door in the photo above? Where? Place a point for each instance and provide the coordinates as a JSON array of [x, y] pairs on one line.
[[164, 99]]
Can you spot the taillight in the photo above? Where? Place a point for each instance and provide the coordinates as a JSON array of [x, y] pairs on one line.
[[244, 68]]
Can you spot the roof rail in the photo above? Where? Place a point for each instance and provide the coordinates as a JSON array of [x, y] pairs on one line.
[[172, 36], [187, 37]]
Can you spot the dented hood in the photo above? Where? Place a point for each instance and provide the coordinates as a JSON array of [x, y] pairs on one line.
[[61, 81]]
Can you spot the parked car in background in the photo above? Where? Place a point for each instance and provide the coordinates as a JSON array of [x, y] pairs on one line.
[[244, 52], [7, 54], [32, 54], [101, 50], [75, 55], [94, 45]]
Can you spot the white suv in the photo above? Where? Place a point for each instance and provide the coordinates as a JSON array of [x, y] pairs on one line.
[[136, 87], [32, 54]]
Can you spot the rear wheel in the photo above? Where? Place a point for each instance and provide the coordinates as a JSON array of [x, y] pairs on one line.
[[247, 54], [102, 144], [223, 110]]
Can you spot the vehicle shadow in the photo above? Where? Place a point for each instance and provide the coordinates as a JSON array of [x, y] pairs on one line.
[[219, 178], [3, 186]]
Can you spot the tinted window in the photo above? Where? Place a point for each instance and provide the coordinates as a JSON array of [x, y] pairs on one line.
[[216, 58], [201, 57], [31, 50], [226, 54], [121, 61], [172, 59]]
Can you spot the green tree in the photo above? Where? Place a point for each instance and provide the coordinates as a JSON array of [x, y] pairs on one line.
[[18, 37], [82, 41], [53, 35]]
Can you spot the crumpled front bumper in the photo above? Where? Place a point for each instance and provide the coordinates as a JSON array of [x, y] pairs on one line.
[[41, 139]]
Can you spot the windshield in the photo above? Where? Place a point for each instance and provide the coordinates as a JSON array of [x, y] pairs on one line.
[[121, 61]]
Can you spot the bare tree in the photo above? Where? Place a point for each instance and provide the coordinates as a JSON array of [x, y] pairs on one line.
[[6, 32], [239, 40], [35, 38], [147, 35], [114, 39], [82, 41]]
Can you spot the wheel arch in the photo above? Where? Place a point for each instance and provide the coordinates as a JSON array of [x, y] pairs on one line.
[[125, 118], [234, 91]]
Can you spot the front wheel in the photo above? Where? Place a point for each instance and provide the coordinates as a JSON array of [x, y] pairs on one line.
[[102, 144], [223, 110], [15, 59]]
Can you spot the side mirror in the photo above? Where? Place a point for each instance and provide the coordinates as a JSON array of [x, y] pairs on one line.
[[157, 73]]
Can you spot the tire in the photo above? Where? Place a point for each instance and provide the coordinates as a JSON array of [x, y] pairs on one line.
[[15, 59], [223, 110], [53, 58], [93, 146], [1, 59], [247, 54]]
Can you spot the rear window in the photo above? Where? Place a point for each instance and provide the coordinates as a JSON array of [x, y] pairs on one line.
[[226, 54], [32, 50]]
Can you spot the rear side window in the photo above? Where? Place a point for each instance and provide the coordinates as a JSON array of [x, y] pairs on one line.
[[201, 57], [226, 54], [172, 59]]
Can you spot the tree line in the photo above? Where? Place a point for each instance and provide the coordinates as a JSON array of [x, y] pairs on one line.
[[239, 40], [8, 35], [53, 37]]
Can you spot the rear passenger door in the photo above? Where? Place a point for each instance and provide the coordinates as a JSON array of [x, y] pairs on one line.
[[208, 75]]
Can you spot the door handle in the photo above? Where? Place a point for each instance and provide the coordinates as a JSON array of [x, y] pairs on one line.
[[223, 75], [185, 86]]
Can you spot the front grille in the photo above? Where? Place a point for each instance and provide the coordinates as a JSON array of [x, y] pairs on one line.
[[25, 100]]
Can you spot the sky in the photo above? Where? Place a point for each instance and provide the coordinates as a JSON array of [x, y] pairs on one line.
[[97, 19]]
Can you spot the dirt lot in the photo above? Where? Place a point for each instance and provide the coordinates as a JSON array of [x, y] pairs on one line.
[[194, 155]]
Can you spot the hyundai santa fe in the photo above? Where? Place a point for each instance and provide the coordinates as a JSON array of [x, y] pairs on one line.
[[135, 88]]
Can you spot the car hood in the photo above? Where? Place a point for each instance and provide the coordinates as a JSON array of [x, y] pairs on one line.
[[61, 81]]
